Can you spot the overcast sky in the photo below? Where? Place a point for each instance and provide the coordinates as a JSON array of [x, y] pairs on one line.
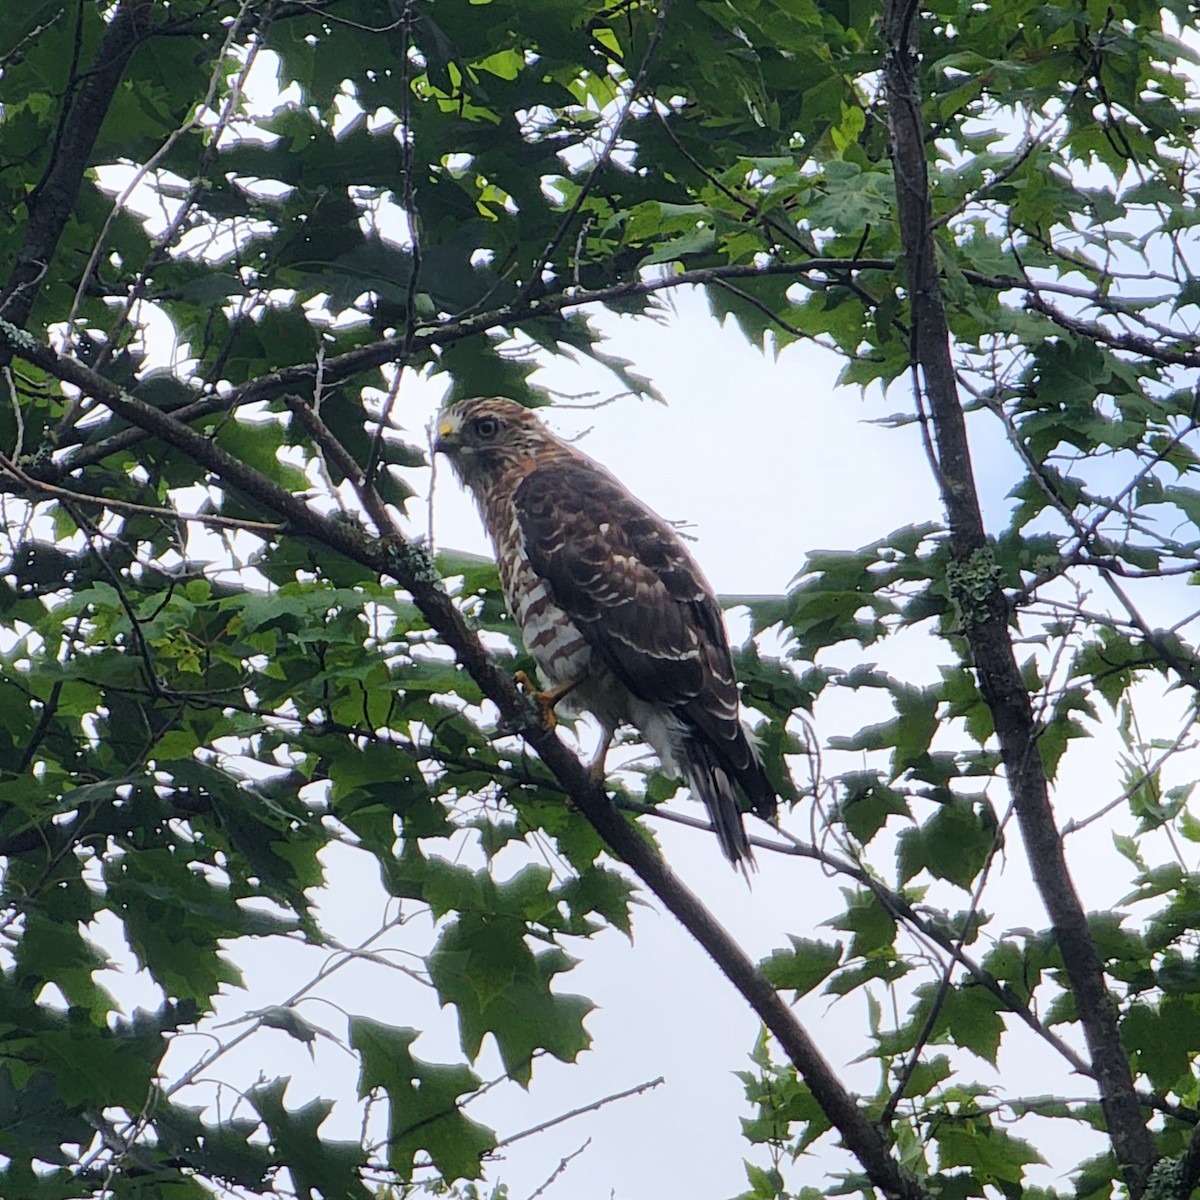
[[765, 460]]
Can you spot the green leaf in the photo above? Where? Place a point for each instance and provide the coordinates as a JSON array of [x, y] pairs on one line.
[[993, 1155], [1163, 1038], [954, 844], [315, 1164], [424, 1111], [868, 803], [801, 968], [873, 927], [483, 967]]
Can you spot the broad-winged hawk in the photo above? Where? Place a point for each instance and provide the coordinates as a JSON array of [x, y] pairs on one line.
[[610, 605]]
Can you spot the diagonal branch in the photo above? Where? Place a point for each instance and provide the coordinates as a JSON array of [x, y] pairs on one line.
[[37, 487], [1094, 332], [92, 446], [542, 1126], [390, 554]]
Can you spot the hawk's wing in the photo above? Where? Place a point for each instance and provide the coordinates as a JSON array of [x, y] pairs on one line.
[[622, 576], [633, 590]]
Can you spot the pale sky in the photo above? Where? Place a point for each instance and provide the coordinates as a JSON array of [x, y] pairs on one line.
[[765, 460]]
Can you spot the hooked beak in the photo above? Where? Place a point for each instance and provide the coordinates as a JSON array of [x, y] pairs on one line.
[[445, 442]]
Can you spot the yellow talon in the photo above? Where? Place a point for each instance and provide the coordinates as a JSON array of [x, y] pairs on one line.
[[544, 700], [548, 699]]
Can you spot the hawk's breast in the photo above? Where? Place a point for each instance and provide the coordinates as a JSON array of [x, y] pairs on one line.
[[553, 640]]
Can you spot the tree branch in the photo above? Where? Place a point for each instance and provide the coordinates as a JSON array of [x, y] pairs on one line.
[[37, 487], [93, 447], [1188, 1167], [985, 611], [636, 1090], [54, 201], [335, 370], [390, 554], [1094, 332]]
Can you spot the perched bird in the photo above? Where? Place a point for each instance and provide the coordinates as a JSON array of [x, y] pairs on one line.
[[610, 605]]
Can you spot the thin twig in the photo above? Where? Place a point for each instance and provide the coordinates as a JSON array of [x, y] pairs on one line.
[[338, 961], [562, 1166], [413, 216], [32, 36], [606, 153], [939, 1000], [168, 514], [1073, 826], [636, 1090]]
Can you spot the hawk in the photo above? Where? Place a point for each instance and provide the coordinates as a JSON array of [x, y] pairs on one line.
[[611, 607]]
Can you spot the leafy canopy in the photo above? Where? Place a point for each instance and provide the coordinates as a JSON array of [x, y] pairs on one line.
[[256, 219]]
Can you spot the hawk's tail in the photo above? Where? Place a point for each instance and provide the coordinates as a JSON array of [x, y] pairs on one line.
[[711, 782]]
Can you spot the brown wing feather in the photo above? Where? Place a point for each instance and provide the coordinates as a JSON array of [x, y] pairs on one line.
[[639, 598]]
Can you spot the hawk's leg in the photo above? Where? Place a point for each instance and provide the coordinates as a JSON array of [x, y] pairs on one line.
[[548, 699], [596, 771]]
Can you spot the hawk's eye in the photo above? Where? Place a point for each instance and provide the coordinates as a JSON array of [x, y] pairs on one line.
[[487, 427]]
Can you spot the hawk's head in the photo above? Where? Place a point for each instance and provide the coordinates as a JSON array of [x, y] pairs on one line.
[[489, 436]]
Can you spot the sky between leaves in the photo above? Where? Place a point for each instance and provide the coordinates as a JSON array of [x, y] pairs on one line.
[[768, 463]]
